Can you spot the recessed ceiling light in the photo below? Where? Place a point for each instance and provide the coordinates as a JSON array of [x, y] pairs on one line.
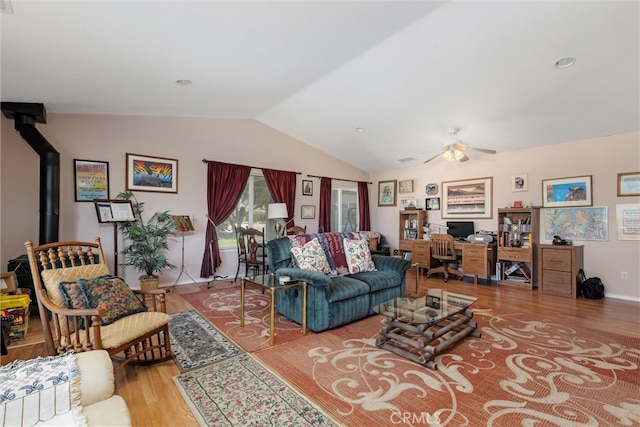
[[565, 62], [360, 130], [183, 82]]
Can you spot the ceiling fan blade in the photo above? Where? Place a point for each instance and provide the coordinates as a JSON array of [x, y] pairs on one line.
[[482, 150], [431, 158]]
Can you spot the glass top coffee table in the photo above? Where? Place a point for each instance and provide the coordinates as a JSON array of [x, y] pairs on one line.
[[272, 283], [420, 329]]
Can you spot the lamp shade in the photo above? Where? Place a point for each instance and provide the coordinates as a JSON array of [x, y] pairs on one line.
[[277, 210]]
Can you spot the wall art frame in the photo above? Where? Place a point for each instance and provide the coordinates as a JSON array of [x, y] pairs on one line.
[[431, 189], [308, 212], [468, 198], [91, 180], [519, 182], [408, 202], [405, 186], [569, 192], [629, 184], [151, 173], [307, 187], [387, 192], [432, 203], [628, 221]]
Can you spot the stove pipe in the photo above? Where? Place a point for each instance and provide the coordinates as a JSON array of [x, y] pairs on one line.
[[25, 116]]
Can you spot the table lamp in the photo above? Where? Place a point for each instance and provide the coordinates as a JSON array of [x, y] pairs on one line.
[[278, 211]]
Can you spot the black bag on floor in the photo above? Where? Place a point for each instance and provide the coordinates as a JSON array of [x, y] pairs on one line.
[[591, 288]]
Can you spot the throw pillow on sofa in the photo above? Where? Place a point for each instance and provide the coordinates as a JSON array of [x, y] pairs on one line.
[[311, 256], [358, 256]]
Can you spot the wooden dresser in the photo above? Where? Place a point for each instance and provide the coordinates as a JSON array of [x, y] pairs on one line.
[[558, 269]]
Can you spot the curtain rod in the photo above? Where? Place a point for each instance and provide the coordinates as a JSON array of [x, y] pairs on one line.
[[337, 179], [253, 167]]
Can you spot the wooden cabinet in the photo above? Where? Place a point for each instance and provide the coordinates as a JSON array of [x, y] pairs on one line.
[[410, 228], [517, 243], [478, 259], [558, 269]]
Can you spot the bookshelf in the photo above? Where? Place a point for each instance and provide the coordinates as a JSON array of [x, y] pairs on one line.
[[410, 224], [518, 230]]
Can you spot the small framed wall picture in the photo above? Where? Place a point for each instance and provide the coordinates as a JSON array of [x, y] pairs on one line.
[[629, 184], [405, 186], [431, 189], [387, 192], [307, 187], [308, 212], [519, 182], [432, 203]]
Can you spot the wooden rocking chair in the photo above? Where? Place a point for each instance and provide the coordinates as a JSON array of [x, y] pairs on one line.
[[64, 274]]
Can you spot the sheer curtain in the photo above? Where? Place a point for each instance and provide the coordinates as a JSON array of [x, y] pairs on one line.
[[363, 205], [282, 186], [225, 183], [324, 215]]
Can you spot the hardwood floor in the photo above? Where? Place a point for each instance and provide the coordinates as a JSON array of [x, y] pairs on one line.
[[154, 400]]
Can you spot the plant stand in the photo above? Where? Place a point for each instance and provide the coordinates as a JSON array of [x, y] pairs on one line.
[[149, 283]]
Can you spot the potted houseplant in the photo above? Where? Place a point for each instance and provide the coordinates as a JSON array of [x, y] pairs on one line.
[[147, 242]]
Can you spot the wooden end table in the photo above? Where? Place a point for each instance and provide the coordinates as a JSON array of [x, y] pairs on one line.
[[420, 329], [271, 283]]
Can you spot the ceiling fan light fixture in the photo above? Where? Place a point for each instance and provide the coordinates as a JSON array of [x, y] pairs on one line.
[[447, 155], [459, 154]]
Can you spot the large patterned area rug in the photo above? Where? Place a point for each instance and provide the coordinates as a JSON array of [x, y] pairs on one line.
[[196, 343], [240, 391], [523, 371], [221, 306]]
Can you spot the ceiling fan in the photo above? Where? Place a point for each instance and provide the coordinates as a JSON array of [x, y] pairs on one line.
[[454, 149]]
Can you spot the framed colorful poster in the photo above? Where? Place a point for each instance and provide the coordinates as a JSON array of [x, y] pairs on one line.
[[567, 192], [149, 173], [91, 180]]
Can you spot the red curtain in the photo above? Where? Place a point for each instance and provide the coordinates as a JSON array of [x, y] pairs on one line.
[[363, 204], [282, 186], [324, 216], [225, 183]]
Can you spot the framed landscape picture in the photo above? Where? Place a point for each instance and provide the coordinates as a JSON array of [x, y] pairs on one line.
[[387, 192], [469, 198], [567, 192], [629, 184], [149, 173]]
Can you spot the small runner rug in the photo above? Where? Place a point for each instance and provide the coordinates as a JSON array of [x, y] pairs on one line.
[[221, 306], [241, 391], [196, 343]]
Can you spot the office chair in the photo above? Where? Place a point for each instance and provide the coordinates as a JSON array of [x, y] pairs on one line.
[[442, 249]]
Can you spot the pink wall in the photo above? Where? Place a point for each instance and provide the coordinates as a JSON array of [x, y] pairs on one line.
[[603, 158], [108, 138]]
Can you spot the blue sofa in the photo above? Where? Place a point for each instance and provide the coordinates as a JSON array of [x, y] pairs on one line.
[[333, 301]]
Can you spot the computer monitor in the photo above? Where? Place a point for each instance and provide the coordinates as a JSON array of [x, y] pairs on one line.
[[460, 229]]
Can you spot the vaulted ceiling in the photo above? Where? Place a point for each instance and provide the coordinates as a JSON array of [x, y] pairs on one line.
[[403, 72]]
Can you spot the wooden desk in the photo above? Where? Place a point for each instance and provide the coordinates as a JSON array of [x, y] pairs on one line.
[[478, 259]]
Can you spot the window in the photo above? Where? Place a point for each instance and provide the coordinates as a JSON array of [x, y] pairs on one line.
[[251, 211], [344, 209]]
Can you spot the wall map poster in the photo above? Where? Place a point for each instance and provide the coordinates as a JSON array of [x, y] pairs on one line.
[[577, 223]]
